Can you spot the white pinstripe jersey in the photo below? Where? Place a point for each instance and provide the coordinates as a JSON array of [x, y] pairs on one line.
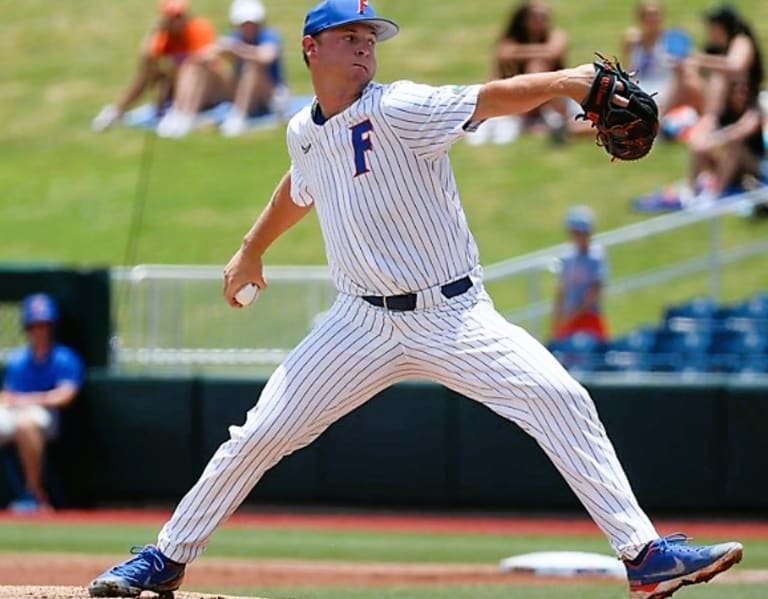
[[381, 181]]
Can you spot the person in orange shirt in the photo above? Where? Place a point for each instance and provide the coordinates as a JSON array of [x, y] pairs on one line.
[[178, 59]]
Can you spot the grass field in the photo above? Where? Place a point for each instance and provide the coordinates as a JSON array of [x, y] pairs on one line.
[[745, 591], [359, 546], [68, 194]]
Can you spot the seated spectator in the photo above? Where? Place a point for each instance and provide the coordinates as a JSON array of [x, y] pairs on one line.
[[583, 272], [176, 59], [728, 157], [654, 54], [731, 53], [528, 44], [256, 49], [40, 379]]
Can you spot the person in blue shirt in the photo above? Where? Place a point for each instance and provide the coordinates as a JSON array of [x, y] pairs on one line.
[[40, 378], [256, 51], [584, 270]]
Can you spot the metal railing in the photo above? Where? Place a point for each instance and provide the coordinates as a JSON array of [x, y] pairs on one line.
[[175, 315], [536, 269]]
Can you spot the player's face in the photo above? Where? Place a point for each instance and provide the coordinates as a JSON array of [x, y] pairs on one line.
[[717, 36], [40, 334], [347, 53], [537, 20], [174, 25], [580, 239], [650, 17], [249, 30]]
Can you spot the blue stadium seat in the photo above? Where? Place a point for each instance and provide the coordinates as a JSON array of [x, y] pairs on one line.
[[745, 324], [671, 341], [639, 340], [726, 350], [702, 307], [679, 351], [580, 351], [754, 364], [685, 324], [696, 315], [616, 360]]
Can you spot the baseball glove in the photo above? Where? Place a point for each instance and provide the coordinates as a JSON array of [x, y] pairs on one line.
[[626, 132]]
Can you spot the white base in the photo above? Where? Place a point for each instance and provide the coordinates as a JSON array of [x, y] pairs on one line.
[[564, 563]]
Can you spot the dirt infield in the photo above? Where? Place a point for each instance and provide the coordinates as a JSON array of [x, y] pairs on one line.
[[68, 573]]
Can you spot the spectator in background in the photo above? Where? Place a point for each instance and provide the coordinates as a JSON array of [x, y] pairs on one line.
[[40, 379], [731, 53], [654, 54], [177, 59], [256, 49], [528, 44], [577, 306], [728, 156]]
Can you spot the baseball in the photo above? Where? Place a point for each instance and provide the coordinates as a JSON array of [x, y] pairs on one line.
[[247, 294]]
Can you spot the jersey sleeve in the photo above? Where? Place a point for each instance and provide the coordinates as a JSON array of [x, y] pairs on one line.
[[429, 119], [299, 191]]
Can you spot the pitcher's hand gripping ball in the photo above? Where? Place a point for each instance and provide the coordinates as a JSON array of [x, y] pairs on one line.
[[247, 294], [626, 132]]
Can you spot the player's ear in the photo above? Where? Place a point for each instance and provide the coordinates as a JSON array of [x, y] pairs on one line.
[[308, 47]]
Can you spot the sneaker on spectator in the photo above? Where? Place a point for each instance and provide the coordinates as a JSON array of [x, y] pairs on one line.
[[175, 124], [149, 570], [666, 564], [506, 129], [107, 117], [234, 125]]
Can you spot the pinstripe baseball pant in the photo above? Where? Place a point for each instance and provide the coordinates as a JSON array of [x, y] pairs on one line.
[[462, 343]]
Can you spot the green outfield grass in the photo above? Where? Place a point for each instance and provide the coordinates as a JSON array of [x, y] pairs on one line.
[[345, 545], [68, 194], [570, 591]]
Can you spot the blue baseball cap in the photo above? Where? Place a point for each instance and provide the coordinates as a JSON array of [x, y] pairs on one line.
[[579, 219], [37, 308], [334, 13]]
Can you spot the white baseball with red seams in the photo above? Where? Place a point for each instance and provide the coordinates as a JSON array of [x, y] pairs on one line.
[[380, 179]]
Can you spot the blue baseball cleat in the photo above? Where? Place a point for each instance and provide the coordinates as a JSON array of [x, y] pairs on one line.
[[150, 570], [667, 564]]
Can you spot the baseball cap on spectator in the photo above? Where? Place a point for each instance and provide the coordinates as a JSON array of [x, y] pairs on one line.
[[579, 219], [334, 13], [37, 308], [173, 8], [246, 11]]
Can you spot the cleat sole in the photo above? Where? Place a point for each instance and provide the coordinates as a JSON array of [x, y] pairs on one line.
[[669, 587]]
